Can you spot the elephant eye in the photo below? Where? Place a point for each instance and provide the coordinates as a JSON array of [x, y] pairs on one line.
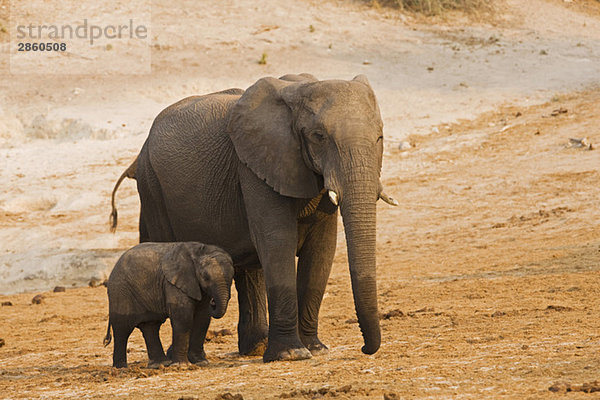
[[316, 136], [380, 138]]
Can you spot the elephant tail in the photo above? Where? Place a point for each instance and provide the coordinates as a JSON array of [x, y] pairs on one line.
[[108, 337], [128, 173]]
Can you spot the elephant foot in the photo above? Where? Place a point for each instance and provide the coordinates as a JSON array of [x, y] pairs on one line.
[[198, 358], [180, 365], [253, 343], [159, 364], [258, 349], [200, 363], [315, 346], [277, 351]]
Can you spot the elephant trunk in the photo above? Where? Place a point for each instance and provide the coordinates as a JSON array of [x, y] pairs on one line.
[[358, 209], [220, 299]]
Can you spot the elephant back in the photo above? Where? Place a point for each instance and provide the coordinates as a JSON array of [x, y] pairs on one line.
[[135, 285], [188, 170]]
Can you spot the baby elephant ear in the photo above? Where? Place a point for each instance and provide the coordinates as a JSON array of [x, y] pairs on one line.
[[178, 265]]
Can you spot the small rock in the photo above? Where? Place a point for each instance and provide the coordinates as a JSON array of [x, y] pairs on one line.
[[524, 347], [392, 314], [352, 321], [345, 389], [290, 395], [562, 387], [498, 314], [590, 387], [229, 396], [6, 303], [390, 396], [366, 62], [323, 391], [94, 282], [424, 310], [59, 289], [403, 146], [38, 299], [559, 111], [518, 114], [580, 143], [559, 387], [558, 308], [188, 398], [2, 342]]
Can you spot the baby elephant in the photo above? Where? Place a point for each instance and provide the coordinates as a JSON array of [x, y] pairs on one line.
[[187, 282]]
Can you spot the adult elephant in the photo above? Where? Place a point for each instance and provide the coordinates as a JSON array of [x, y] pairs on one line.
[[248, 171]]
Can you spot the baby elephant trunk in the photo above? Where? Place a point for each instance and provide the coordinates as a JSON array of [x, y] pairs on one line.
[[219, 301]]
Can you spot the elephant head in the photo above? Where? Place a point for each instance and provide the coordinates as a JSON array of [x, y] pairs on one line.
[[198, 269], [301, 136]]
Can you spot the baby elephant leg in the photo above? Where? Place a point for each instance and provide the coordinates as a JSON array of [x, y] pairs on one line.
[[121, 331], [196, 352], [181, 321], [156, 354]]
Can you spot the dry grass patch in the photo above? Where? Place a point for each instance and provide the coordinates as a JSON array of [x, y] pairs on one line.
[[437, 7]]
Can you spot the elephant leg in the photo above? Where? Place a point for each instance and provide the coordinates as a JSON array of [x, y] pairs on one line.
[[274, 231], [156, 354], [196, 353], [154, 224], [314, 265], [121, 332], [181, 322], [252, 298]]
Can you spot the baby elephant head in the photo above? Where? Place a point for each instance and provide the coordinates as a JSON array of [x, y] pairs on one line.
[[201, 270], [215, 274]]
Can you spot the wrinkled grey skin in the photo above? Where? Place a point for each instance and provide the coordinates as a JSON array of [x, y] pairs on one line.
[[253, 172], [187, 282]]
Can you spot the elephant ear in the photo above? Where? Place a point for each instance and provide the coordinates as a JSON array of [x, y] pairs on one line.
[[179, 268], [362, 79], [261, 128]]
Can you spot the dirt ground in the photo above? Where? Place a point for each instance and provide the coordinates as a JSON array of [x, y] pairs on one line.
[[488, 271]]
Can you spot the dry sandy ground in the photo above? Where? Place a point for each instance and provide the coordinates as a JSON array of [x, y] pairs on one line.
[[488, 269], [64, 139]]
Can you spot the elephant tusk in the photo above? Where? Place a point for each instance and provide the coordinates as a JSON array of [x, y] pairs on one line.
[[333, 197], [388, 199]]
